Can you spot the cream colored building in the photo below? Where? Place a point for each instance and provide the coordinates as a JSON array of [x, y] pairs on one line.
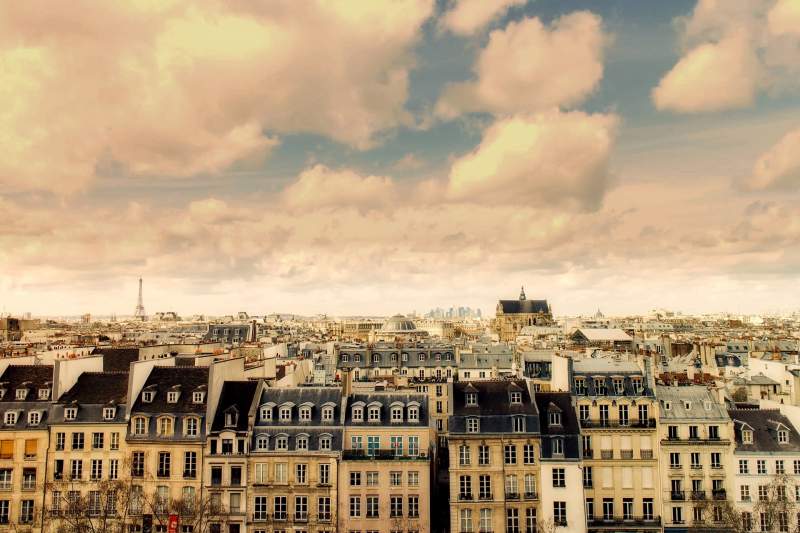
[[494, 445], [618, 414], [384, 477]]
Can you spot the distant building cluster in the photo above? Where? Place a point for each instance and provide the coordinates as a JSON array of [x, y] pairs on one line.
[[523, 423]]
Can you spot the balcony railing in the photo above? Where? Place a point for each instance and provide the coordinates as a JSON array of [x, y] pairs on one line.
[[485, 496], [626, 454], [616, 521], [677, 495], [465, 497], [698, 495], [719, 494], [616, 424], [512, 495], [646, 454], [382, 454], [588, 453], [606, 454], [531, 496]]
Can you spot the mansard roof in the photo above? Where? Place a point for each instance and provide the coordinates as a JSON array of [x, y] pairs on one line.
[[162, 379], [236, 395], [98, 388]]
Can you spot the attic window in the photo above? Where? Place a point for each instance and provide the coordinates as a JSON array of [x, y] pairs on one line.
[[397, 414], [327, 414], [707, 405], [266, 413], [687, 405], [70, 413], [374, 414], [473, 425], [22, 394], [747, 437], [555, 418], [305, 413], [172, 396], [667, 406], [619, 386], [147, 396], [516, 397], [472, 398], [11, 418], [285, 414], [44, 394], [231, 419], [413, 414], [637, 384], [109, 413], [358, 414], [783, 436], [34, 417]]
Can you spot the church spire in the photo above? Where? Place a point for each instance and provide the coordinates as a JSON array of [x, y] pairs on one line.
[[522, 293]]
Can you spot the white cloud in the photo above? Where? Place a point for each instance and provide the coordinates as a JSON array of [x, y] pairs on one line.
[[469, 16], [320, 187], [180, 88], [548, 159], [529, 67], [778, 167], [732, 51]]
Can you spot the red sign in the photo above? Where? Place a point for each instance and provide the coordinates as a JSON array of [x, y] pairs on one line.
[[173, 524]]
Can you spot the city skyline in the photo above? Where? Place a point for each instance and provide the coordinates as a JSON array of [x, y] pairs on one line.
[[371, 158]]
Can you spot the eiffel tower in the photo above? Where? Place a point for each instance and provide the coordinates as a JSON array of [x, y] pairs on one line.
[[139, 313]]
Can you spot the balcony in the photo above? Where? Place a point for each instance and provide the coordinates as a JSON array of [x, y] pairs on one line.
[[677, 495], [698, 495], [260, 517], [588, 453], [626, 454], [465, 497], [617, 521], [650, 423], [324, 517], [646, 454], [381, 455], [302, 517], [606, 454], [531, 496], [719, 494], [485, 496], [512, 495]]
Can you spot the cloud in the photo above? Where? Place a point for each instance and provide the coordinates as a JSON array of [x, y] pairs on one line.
[[469, 16], [548, 159], [321, 187], [732, 51], [180, 88], [779, 167], [529, 67]]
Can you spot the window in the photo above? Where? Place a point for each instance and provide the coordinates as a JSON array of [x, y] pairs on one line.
[[137, 464], [281, 473], [716, 460], [11, 418], [372, 507], [486, 520], [165, 426], [516, 397], [587, 477], [472, 425], [324, 474], [465, 520], [34, 417], [189, 465], [285, 414], [301, 473], [677, 515], [164, 462], [305, 414], [647, 508], [395, 478], [744, 493], [465, 487], [355, 507], [147, 396], [327, 414], [26, 512], [96, 471], [374, 414], [139, 426], [413, 445], [559, 477], [512, 487], [76, 469], [413, 506], [603, 415], [485, 487], [643, 413], [413, 478], [558, 446], [694, 459], [583, 412], [279, 507], [483, 455], [282, 442], [301, 507], [373, 444], [463, 455], [528, 455], [325, 443], [512, 520], [301, 443], [744, 467], [519, 424], [783, 436], [77, 441], [260, 508], [471, 398], [761, 466], [413, 412], [60, 439], [358, 414], [197, 397], [608, 508], [623, 415], [324, 508], [560, 513], [674, 460], [172, 397], [510, 454], [713, 432], [97, 441]]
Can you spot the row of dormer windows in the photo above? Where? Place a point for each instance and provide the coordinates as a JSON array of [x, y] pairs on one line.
[[373, 413], [266, 413], [600, 386], [21, 393], [514, 397], [11, 417], [165, 426], [301, 442], [376, 357], [172, 396]]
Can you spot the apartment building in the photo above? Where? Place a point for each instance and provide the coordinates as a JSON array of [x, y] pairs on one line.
[[617, 410], [494, 459], [420, 359], [165, 438], [561, 471], [296, 440], [766, 470], [225, 463], [696, 447], [385, 473], [25, 393], [87, 451]]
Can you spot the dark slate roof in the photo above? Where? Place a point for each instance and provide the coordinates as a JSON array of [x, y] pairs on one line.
[[561, 401], [316, 396], [117, 359], [238, 395], [765, 424], [313, 433], [98, 388], [386, 399], [37, 377], [494, 408], [524, 306], [162, 379]]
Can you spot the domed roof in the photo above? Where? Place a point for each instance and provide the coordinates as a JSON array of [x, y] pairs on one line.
[[398, 324]]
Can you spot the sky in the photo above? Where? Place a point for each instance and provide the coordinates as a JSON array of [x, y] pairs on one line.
[[368, 158]]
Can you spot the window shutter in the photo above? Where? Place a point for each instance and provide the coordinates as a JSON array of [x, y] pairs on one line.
[[31, 446], [7, 449], [647, 478]]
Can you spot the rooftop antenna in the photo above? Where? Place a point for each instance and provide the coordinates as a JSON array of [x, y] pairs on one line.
[[139, 313]]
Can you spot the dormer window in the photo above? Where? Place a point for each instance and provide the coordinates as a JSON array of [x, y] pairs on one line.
[[10, 418], [473, 425], [519, 424], [580, 386], [516, 397], [376, 358], [397, 414], [393, 357], [472, 398], [22, 394], [266, 413], [305, 414], [413, 413], [325, 443], [374, 414], [327, 414], [637, 384], [286, 414], [707, 405], [358, 414], [147, 396], [34, 417], [667, 406], [619, 385], [231, 418], [172, 396], [109, 413], [345, 358], [262, 443], [783, 436], [302, 443], [198, 397], [190, 427], [282, 443], [165, 426], [404, 356], [70, 413], [687, 405], [44, 394], [555, 418], [356, 358], [421, 356], [139, 425], [747, 436], [599, 386], [558, 446]]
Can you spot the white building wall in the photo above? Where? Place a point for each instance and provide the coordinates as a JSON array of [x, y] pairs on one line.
[[572, 494]]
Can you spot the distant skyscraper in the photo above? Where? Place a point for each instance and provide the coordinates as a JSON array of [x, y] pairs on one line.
[[139, 313]]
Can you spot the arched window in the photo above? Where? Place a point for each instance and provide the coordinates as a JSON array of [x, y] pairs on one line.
[[139, 425], [301, 443], [282, 443], [266, 413], [305, 413], [358, 414], [325, 443], [327, 414], [397, 414], [374, 414], [413, 413], [262, 442]]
